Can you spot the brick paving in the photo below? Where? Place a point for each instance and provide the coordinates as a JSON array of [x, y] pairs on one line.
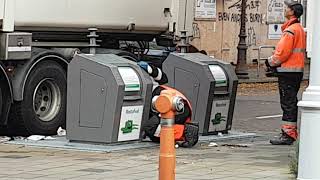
[[257, 161]]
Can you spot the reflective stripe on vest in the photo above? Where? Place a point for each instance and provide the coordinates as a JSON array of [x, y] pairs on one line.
[[274, 61], [298, 50], [289, 31], [284, 69], [288, 123], [290, 130]]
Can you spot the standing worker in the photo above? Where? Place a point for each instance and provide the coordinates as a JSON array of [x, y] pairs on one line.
[[288, 63]]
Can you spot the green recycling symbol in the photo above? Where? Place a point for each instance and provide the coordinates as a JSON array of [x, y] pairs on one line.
[[129, 127], [218, 118]]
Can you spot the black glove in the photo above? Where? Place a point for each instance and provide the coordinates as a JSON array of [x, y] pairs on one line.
[[270, 70], [191, 134], [267, 63], [150, 127]]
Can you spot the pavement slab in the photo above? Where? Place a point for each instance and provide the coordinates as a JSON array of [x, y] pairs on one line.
[[259, 160]]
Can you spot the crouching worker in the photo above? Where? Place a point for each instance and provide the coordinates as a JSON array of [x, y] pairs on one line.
[[186, 133]]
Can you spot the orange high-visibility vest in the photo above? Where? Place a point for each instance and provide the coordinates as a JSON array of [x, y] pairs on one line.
[[290, 51]]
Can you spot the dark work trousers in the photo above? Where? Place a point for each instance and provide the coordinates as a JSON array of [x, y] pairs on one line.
[[289, 85]]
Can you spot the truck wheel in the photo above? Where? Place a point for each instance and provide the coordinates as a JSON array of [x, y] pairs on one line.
[[43, 109], [1, 102], [3, 129]]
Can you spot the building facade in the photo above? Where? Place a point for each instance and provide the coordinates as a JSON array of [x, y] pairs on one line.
[[217, 26]]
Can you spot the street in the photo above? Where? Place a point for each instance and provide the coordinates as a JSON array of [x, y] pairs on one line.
[[252, 158], [258, 108]]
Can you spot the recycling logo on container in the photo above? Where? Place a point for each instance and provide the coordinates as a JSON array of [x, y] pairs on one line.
[[130, 123], [129, 127]]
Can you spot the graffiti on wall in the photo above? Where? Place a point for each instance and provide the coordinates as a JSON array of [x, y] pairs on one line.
[[252, 5], [252, 37], [235, 17], [195, 30], [253, 17]]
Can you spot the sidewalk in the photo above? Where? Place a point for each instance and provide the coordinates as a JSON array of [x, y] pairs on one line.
[[258, 160]]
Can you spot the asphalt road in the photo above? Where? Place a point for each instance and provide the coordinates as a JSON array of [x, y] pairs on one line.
[[257, 114], [258, 109]]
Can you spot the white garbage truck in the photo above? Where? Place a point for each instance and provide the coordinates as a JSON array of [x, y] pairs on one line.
[[38, 38]]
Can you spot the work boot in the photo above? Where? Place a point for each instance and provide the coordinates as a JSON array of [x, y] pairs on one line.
[[284, 139]]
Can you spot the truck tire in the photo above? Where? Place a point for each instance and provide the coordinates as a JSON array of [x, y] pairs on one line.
[[1, 101], [3, 128], [43, 109]]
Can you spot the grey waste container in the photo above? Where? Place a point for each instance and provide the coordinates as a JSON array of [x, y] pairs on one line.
[[209, 84], [108, 98]]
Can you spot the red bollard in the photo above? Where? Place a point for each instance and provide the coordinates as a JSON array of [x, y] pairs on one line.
[[167, 104]]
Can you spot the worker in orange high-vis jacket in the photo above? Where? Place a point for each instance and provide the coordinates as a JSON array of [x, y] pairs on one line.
[[186, 132], [288, 63]]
